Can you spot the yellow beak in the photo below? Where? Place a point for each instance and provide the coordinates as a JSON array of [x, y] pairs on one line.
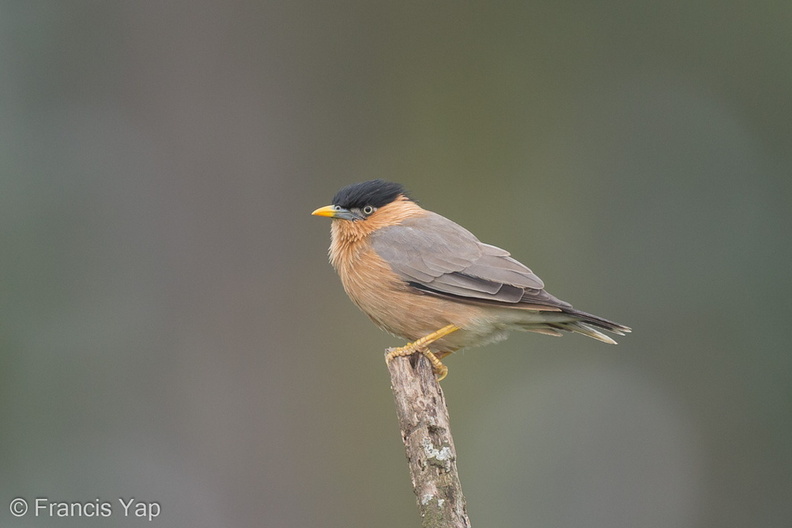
[[327, 210]]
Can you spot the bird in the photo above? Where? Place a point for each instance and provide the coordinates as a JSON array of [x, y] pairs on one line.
[[428, 280]]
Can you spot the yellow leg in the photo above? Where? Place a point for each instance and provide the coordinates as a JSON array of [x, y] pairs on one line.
[[420, 346]]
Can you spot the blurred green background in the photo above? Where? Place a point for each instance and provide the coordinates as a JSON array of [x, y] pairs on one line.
[[171, 330]]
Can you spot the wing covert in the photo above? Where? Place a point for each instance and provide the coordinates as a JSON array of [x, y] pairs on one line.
[[441, 257]]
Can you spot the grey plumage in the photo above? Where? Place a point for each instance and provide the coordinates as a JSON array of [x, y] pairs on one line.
[[439, 257]]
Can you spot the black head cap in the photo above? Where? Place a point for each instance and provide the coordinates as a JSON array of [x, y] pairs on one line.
[[375, 193]]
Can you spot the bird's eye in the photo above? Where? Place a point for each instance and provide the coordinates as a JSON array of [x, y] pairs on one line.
[[368, 210]]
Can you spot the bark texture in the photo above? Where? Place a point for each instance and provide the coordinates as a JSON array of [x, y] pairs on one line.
[[431, 456]]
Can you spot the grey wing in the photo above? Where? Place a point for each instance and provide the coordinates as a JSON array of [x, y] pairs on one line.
[[440, 257]]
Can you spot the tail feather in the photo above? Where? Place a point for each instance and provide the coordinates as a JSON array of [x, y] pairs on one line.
[[546, 330], [553, 323], [586, 330], [589, 325]]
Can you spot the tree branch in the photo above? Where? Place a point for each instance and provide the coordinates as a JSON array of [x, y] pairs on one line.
[[431, 456]]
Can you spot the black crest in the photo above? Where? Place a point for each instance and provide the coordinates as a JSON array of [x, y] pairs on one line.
[[375, 193]]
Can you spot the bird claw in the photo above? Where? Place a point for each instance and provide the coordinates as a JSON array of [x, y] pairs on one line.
[[440, 371], [420, 346]]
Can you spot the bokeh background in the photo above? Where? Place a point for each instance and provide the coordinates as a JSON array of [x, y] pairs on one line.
[[171, 330]]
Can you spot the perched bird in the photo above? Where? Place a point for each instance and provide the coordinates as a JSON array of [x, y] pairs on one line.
[[428, 280]]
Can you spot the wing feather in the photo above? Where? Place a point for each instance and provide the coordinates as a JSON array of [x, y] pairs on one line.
[[438, 256]]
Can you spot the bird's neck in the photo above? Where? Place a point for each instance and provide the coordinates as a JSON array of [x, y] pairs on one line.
[[344, 245]]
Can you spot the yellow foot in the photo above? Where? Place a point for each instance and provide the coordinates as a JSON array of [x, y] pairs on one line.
[[420, 346], [440, 370]]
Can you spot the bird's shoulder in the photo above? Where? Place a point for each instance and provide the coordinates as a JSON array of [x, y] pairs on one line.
[[429, 231], [438, 254]]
